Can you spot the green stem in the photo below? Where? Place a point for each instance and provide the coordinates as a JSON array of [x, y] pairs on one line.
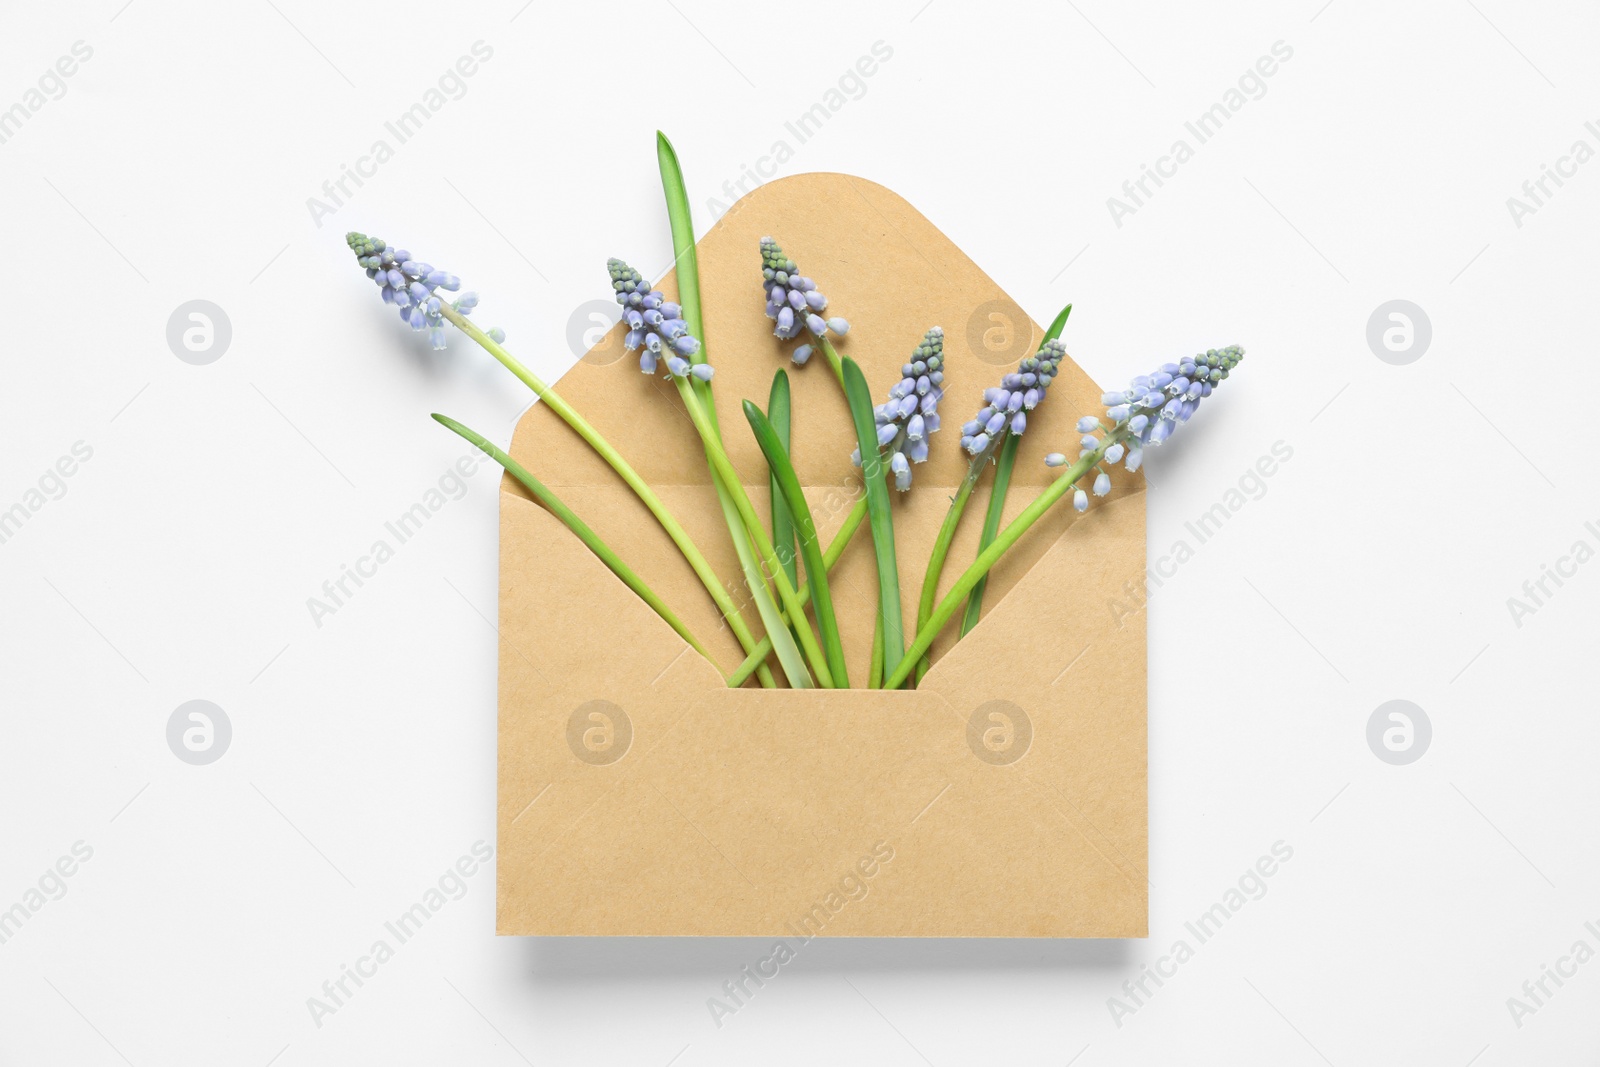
[[816, 570], [997, 493], [991, 524], [553, 504], [875, 673], [991, 555], [941, 546], [779, 639], [833, 358], [836, 547], [550, 398], [768, 556]]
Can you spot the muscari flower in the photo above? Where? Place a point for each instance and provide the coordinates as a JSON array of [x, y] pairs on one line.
[[655, 325], [794, 302], [911, 414], [412, 286], [1149, 411], [1006, 408]]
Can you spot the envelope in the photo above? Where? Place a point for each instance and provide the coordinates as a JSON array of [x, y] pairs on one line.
[[638, 795]]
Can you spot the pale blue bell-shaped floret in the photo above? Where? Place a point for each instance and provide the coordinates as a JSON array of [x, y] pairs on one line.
[[902, 471], [1055, 459], [1135, 458], [1088, 424], [802, 354], [1102, 484], [1080, 500], [496, 334], [677, 366], [1114, 453], [703, 371]]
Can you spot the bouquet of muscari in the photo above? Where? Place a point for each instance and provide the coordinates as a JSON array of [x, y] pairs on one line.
[[800, 643]]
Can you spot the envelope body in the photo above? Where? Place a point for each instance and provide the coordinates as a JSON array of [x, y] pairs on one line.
[[1005, 796]]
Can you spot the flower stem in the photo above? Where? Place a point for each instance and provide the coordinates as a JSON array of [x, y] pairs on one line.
[[816, 571], [836, 547], [991, 555], [991, 525], [553, 504], [570, 416], [724, 469], [941, 546], [833, 358]]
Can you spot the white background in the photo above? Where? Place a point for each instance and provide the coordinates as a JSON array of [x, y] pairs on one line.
[[1376, 566]]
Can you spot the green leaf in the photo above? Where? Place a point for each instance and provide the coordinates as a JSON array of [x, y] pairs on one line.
[[997, 494], [816, 569], [879, 515], [591, 540], [782, 522], [687, 270]]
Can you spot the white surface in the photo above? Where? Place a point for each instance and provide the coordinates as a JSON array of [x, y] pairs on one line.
[[218, 498]]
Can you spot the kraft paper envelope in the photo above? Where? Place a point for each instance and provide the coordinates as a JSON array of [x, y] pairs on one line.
[[1005, 797]]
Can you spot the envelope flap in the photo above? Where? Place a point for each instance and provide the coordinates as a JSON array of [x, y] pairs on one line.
[[893, 274]]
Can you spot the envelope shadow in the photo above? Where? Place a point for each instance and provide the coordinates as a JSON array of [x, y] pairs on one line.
[[560, 961]]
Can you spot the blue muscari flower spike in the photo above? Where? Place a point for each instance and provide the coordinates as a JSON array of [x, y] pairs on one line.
[[1005, 408], [911, 414], [655, 325], [794, 302], [1150, 410], [410, 285]]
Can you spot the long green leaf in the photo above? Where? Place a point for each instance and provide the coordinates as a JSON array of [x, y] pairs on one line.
[[997, 494], [782, 521], [591, 540], [816, 570], [879, 515], [687, 270]]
